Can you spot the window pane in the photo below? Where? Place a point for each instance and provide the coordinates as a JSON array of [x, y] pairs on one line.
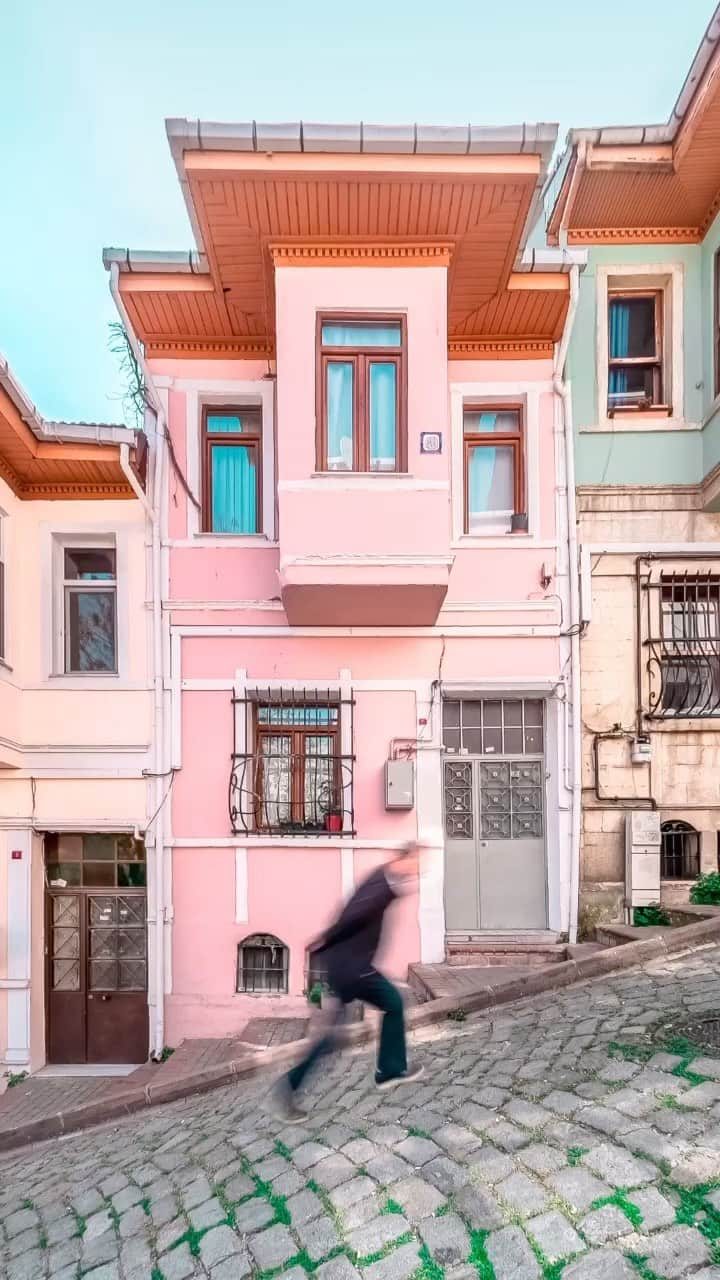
[[232, 422], [507, 421], [308, 715], [90, 620], [99, 873], [632, 328], [340, 415], [67, 871], [358, 334], [96, 565], [275, 780], [97, 848], [383, 410], [319, 770], [633, 381], [451, 713], [234, 489], [491, 483], [131, 874]]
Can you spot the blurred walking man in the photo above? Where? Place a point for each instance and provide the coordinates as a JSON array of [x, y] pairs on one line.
[[347, 951]]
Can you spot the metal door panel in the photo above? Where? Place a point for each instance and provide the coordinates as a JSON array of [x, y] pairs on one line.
[[462, 907], [511, 844]]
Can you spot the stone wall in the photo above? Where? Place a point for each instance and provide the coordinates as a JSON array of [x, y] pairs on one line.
[[683, 777]]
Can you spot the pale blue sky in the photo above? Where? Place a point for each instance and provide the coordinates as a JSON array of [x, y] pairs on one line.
[[85, 88]]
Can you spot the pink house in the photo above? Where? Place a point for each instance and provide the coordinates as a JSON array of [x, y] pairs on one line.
[[365, 530]]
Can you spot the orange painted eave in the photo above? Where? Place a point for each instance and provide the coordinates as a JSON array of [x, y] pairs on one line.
[[53, 469]]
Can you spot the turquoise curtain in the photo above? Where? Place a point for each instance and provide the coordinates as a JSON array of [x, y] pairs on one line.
[[383, 403], [224, 422], [361, 335], [340, 415], [234, 489], [490, 483], [619, 345]]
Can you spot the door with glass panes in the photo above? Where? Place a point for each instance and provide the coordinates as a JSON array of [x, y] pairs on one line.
[[494, 815], [96, 949]]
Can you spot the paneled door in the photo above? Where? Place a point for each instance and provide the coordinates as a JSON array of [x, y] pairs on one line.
[[493, 803], [97, 977]]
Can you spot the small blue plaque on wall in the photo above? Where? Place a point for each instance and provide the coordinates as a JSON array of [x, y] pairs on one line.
[[431, 442]]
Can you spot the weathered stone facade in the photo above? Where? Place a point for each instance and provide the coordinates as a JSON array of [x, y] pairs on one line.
[[683, 777]]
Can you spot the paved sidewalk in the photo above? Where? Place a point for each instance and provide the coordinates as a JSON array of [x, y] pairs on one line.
[[550, 1138]]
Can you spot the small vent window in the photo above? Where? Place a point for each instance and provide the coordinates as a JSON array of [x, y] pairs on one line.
[[680, 851]]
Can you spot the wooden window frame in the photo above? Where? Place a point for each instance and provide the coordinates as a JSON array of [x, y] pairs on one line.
[[361, 358], [656, 363], [298, 734], [90, 586], [240, 440], [488, 439], [716, 322]]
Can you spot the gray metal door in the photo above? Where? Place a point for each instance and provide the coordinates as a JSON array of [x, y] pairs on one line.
[[495, 875]]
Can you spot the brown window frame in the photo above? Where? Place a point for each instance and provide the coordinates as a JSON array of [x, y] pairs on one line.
[[240, 440], [298, 735], [88, 586], [716, 322], [361, 358], [656, 363], [489, 439]]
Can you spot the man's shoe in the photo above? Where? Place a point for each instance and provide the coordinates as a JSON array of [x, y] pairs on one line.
[[406, 1077], [285, 1106]]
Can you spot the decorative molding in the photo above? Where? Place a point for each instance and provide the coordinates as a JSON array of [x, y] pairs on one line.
[[324, 254], [501, 348], [635, 235], [212, 348]]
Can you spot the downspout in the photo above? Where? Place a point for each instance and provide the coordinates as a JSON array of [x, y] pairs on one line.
[[562, 391], [134, 483], [158, 1038]]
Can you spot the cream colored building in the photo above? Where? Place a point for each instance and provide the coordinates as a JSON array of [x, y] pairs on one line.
[[75, 735]]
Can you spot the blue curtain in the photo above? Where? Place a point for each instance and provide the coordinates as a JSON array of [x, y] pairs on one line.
[[340, 415], [382, 416], [361, 335], [490, 483], [234, 489]]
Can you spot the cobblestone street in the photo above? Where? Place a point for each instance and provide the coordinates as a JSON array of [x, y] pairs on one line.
[[559, 1137]]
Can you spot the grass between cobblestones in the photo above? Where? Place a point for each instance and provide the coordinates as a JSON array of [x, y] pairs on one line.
[[620, 1201]]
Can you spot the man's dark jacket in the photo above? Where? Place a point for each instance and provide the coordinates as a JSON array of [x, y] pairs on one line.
[[348, 948]]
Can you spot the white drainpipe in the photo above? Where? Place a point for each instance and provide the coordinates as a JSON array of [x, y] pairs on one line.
[[160, 782], [562, 390]]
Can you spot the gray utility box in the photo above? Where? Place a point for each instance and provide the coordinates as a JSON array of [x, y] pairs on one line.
[[399, 784]]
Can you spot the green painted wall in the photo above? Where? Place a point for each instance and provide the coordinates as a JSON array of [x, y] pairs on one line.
[[711, 431], [643, 457]]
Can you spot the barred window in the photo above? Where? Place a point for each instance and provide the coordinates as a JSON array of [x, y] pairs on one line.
[[263, 964], [683, 644], [294, 778], [679, 851]]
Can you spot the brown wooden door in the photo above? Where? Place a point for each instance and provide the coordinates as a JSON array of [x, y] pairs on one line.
[[97, 977]]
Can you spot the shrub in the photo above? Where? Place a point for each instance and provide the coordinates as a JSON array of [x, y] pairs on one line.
[[652, 914], [706, 890]]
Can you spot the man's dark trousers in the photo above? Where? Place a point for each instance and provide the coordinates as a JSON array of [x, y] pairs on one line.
[[373, 989]]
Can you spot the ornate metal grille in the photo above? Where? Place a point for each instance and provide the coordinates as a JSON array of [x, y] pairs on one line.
[[680, 634], [679, 851], [294, 778]]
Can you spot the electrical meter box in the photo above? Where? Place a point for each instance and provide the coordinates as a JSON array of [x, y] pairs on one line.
[[642, 857], [399, 784]]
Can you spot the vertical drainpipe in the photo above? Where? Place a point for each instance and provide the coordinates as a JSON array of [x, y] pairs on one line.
[[158, 756], [562, 391]]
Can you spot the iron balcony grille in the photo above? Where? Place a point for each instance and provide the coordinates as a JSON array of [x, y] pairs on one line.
[[293, 780], [681, 642]]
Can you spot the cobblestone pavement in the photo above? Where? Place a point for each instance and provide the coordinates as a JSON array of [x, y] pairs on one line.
[[550, 1139]]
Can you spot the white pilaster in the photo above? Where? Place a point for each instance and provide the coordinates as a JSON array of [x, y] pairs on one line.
[[19, 926]]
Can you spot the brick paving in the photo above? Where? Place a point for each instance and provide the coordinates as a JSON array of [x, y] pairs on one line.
[[553, 1138]]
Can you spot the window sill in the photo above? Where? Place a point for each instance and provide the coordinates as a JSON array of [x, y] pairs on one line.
[[234, 539], [652, 411], [638, 422]]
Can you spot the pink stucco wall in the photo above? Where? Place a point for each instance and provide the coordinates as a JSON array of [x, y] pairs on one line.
[[293, 888]]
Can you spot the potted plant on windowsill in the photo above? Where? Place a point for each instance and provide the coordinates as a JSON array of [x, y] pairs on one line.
[[334, 820]]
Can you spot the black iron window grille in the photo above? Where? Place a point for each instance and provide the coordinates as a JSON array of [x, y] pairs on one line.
[[679, 851], [682, 643], [293, 778], [263, 964]]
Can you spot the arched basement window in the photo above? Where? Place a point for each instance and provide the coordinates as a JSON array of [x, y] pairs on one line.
[[680, 851], [263, 963]]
